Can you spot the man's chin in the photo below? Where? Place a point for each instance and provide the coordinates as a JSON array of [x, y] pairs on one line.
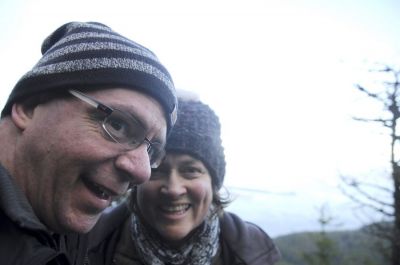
[[81, 225]]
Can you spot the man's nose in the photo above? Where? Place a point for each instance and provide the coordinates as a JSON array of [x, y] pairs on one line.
[[135, 164]]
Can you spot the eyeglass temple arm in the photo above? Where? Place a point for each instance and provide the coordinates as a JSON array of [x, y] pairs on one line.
[[91, 101]]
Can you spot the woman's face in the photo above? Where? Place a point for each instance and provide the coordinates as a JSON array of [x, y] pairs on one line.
[[177, 198]]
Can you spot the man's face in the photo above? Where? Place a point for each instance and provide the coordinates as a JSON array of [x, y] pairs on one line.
[[70, 169]]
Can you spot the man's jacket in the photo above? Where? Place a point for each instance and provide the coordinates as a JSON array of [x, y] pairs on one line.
[[24, 240]]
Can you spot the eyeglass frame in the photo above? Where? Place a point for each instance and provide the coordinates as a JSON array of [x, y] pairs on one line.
[[159, 152]]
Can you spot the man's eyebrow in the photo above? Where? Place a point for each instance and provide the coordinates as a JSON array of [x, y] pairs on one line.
[[130, 112], [133, 113], [157, 139]]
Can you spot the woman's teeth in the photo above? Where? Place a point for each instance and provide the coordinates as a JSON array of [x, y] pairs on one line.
[[176, 208]]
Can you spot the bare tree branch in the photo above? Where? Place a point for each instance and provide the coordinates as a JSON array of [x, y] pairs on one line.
[[350, 181], [370, 205], [370, 94], [386, 123], [360, 193]]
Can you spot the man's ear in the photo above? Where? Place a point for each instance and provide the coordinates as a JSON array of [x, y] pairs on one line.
[[21, 115]]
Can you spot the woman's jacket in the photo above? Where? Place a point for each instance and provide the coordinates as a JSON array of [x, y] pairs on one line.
[[241, 242]]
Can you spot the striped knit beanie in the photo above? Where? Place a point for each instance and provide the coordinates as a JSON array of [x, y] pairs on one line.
[[197, 132], [90, 55]]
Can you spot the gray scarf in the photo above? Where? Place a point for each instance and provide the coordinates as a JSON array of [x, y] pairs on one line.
[[199, 248]]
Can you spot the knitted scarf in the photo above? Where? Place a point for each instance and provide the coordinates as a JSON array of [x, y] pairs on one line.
[[199, 249]]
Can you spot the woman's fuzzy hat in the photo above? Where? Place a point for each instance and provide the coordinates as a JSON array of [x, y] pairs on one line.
[[90, 55], [197, 132]]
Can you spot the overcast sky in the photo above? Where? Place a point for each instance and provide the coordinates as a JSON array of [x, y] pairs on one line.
[[280, 75]]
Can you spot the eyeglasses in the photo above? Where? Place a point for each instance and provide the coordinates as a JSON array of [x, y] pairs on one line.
[[125, 129]]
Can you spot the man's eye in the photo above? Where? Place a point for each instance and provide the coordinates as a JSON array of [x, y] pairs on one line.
[[118, 127]]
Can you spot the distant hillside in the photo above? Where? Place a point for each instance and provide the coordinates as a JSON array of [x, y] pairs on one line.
[[350, 247]]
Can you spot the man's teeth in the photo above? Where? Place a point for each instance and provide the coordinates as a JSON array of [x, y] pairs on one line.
[[176, 208], [100, 191]]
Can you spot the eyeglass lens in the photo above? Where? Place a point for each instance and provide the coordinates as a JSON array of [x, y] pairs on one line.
[[127, 130]]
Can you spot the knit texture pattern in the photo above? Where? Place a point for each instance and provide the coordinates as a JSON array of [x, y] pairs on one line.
[[197, 132], [90, 55], [199, 249]]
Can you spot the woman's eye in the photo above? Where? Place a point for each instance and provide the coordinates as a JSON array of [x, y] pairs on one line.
[[193, 169], [192, 172]]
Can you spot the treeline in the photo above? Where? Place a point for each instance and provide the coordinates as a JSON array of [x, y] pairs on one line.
[[339, 247]]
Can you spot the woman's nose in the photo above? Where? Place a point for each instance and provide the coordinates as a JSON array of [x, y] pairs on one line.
[[173, 186], [135, 164]]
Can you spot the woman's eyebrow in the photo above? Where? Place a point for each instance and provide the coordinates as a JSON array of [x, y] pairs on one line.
[[190, 162]]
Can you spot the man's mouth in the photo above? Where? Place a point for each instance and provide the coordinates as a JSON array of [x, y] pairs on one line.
[[98, 190]]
